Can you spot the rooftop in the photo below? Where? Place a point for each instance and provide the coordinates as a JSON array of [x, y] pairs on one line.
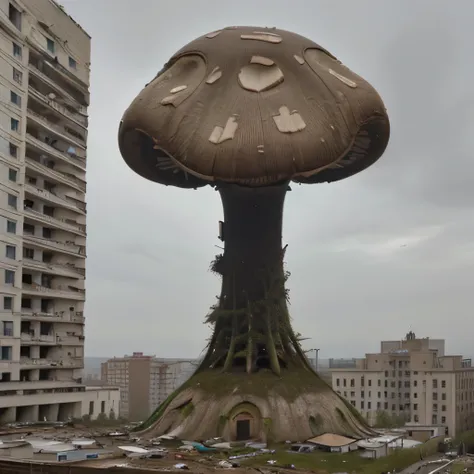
[[331, 440]]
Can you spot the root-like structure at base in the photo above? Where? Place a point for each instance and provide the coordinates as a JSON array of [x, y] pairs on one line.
[[295, 406]]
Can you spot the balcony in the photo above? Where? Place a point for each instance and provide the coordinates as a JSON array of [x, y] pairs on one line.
[[52, 127], [45, 148], [77, 118], [62, 247], [37, 385], [53, 222], [53, 198], [54, 175], [56, 317], [62, 291], [60, 270], [64, 340], [42, 340], [29, 363]]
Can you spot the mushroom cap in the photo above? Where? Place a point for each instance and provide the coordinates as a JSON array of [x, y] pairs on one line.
[[253, 106]]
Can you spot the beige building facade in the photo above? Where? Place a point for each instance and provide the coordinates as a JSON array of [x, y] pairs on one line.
[[44, 92], [144, 381], [412, 379]]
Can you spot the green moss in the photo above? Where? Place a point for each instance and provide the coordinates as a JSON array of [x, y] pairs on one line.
[[223, 419], [187, 409], [158, 412], [316, 423]]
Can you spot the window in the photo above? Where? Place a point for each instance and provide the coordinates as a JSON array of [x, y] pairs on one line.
[[13, 150], [435, 396], [416, 418], [17, 51], [379, 383], [47, 233], [369, 405], [435, 383], [7, 302], [9, 277], [443, 396], [443, 383], [15, 125], [415, 395], [102, 407], [353, 394], [415, 406], [415, 383], [6, 353], [352, 382], [344, 382], [15, 98], [369, 382], [17, 76], [11, 227], [10, 251], [72, 63], [15, 16], [337, 382], [443, 407], [378, 394], [443, 419], [385, 405], [8, 328], [28, 253], [91, 408], [12, 175], [50, 45], [12, 201], [362, 405]]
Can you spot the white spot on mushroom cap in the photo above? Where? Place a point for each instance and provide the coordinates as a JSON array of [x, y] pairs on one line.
[[261, 60], [258, 78], [299, 59], [175, 90], [213, 34], [260, 149], [215, 75], [267, 37], [287, 122], [343, 79], [220, 134]]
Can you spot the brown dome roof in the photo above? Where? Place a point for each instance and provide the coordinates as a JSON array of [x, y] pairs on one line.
[[253, 106]]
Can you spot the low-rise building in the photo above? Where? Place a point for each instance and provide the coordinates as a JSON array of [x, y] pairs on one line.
[[99, 401], [413, 380]]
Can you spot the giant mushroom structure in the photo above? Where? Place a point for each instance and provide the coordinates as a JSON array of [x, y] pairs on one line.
[[248, 110]]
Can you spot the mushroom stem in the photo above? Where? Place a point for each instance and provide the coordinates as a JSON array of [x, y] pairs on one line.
[[251, 321]]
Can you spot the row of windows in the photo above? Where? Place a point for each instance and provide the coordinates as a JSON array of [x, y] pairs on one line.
[[393, 395], [392, 383], [394, 406]]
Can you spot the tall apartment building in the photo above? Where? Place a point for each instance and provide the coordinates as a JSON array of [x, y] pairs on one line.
[[44, 92], [145, 381], [414, 379]]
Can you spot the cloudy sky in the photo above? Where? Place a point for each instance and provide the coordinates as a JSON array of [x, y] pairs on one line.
[[372, 257]]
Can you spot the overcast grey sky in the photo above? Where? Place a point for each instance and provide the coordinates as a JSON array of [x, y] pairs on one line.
[[371, 257]]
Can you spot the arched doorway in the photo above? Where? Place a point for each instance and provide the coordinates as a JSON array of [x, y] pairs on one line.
[[243, 427], [245, 422]]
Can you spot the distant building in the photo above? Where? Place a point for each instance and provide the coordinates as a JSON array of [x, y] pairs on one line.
[[145, 381], [342, 364], [414, 379]]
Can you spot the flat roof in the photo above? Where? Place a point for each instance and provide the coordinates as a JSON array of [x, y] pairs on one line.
[[331, 440]]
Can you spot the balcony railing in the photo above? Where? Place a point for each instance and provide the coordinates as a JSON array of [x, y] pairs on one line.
[[56, 128], [62, 363], [70, 340], [72, 160], [59, 223], [78, 118], [56, 269], [42, 338], [63, 291], [58, 175], [51, 197], [58, 316], [69, 248]]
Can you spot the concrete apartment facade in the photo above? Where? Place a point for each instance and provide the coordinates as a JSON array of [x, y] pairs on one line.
[[412, 378], [144, 381], [44, 91]]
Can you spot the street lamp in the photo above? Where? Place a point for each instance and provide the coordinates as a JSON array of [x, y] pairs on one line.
[[316, 354]]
